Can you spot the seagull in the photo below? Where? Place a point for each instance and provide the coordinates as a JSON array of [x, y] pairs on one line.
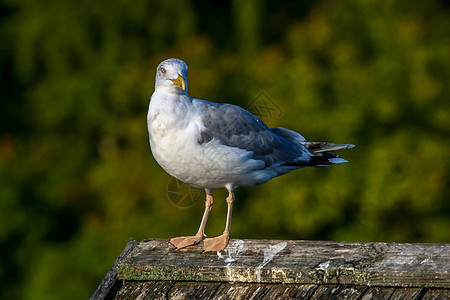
[[216, 145]]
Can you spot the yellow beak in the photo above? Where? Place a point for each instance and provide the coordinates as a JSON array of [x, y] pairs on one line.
[[179, 82]]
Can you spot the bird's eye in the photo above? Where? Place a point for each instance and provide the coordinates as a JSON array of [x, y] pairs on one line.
[[163, 70]]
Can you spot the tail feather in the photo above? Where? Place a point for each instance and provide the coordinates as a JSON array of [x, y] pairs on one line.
[[320, 147], [321, 157], [337, 160]]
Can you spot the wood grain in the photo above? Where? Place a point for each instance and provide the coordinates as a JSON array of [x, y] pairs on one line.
[[304, 262]]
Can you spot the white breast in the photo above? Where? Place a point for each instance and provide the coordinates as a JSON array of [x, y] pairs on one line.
[[174, 130]]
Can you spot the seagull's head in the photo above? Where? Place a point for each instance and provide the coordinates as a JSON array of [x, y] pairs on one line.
[[171, 75]]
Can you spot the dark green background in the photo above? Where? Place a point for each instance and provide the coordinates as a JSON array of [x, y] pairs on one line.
[[77, 178]]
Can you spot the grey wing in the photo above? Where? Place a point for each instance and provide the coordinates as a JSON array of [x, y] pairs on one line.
[[235, 127]]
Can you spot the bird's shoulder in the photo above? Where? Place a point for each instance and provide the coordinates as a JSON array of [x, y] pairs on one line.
[[233, 126], [233, 117]]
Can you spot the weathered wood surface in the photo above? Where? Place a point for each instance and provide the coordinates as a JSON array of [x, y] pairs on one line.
[[224, 290], [294, 262]]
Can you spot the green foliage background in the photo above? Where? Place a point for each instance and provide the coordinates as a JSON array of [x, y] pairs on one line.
[[77, 178]]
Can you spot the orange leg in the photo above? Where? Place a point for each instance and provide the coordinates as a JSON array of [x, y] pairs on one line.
[[187, 241], [221, 242]]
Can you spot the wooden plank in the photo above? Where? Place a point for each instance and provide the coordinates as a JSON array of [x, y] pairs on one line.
[[406, 294], [326, 292], [240, 291], [193, 290], [160, 290], [289, 291], [110, 285], [144, 290], [436, 294], [306, 262], [257, 291], [378, 293]]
